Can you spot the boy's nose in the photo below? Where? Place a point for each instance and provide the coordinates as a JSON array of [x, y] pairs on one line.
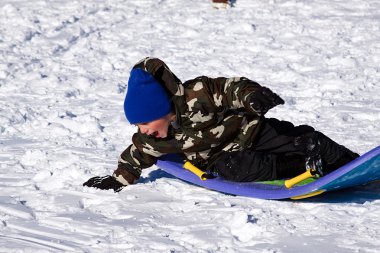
[[143, 130]]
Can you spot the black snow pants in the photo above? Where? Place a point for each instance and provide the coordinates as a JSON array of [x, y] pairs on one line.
[[274, 154]]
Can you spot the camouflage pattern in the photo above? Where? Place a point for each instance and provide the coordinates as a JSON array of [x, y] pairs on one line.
[[214, 115]]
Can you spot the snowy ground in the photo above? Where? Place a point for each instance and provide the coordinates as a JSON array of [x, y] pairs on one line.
[[64, 66]]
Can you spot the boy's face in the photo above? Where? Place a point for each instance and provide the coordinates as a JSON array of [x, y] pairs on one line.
[[157, 128]]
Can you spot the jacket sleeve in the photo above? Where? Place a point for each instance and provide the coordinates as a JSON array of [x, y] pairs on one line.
[[239, 93], [143, 153], [133, 159]]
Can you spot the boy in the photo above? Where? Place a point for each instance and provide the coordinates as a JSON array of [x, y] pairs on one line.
[[218, 124]]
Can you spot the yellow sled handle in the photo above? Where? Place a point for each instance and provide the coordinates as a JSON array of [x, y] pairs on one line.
[[201, 174], [295, 180]]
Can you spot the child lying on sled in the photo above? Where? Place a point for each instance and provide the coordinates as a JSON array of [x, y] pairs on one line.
[[218, 124]]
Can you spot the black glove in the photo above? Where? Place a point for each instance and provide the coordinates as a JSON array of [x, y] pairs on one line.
[[263, 100], [104, 183]]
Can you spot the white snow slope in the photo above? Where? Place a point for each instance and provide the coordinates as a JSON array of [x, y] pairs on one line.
[[64, 67]]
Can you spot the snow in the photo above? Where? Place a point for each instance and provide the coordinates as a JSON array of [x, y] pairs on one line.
[[64, 67]]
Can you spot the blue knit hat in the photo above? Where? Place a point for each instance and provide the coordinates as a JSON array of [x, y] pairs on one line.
[[146, 99]]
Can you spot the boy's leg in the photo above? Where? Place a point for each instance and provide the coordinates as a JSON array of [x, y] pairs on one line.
[[332, 154], [249, 166], [280, 152], [294, 143], [246, 166], [277, 137], [272, 156]]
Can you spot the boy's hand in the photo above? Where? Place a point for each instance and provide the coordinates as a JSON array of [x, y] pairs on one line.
[[104, 183], [263, 100], [308, 144]]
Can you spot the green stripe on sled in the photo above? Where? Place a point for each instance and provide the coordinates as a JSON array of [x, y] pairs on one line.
[[282, 182]]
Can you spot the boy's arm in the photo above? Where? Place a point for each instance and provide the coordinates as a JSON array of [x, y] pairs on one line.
[[130, 164], [143, 153], [240, 92]]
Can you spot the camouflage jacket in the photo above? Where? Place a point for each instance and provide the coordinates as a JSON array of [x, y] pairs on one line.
[[213, 116]]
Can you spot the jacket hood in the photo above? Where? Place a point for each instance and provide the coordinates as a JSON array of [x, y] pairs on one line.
[[161, 72]]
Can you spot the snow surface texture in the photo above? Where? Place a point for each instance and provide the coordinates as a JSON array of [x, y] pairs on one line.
[[64, 68]]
